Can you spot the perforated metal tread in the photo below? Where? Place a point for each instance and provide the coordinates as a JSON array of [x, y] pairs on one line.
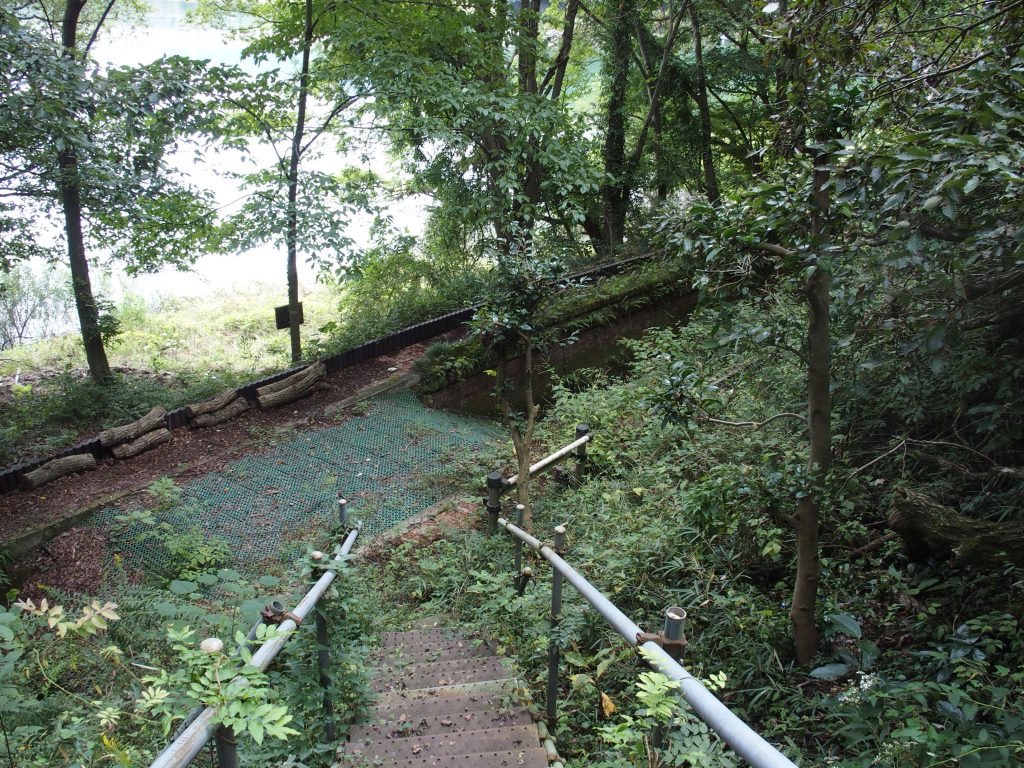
[[514, 758], [460, 742], [457, 711], [432, 651], [418, 638], [439, 673]]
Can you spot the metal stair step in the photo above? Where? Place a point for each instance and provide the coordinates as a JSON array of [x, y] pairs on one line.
[[504, 688], [445, 651], [438, 673], [534, 757], [440, 705], [418, 637], [417, 725], [458, 742]]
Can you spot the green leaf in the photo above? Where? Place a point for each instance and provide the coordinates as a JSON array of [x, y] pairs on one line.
[[269, 581], [831, 671], [183, 587], [933, 202], [845, 623]]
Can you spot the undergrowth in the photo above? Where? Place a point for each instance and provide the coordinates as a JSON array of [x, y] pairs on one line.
[[685, 505]]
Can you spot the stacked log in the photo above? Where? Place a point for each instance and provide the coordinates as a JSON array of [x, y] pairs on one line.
[[143, 443], [292, 388], [51, 470], [219, 409], [222, 400], [128, 432], [210, 418]]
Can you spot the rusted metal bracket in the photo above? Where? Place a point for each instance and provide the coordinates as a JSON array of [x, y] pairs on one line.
[[274, 613], [673, 648]]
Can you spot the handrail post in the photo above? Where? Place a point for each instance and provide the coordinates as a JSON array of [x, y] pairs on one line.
[[227, 742], [556, 611], [582, 430], [492, 504], [343, 512], [672, 641], [323, 650], [227, 747], [523, 575], [518, 558]]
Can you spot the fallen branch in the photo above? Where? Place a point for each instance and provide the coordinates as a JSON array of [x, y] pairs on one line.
[[931, 529], [752, 424]]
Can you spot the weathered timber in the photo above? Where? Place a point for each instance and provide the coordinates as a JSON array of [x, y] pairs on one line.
[[931, 529], [51, 470], [117, 435], [316, 370], [144, 443], [235, 407], [291, 388], [214, 404]]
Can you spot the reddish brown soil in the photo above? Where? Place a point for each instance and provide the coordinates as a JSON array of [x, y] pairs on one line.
[[191, 454], [71, 562]]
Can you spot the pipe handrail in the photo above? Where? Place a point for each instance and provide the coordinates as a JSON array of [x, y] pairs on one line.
[[746, 742], [180, 752], [547, 461]]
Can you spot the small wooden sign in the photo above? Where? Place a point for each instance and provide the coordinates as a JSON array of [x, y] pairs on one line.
[[283, 317]]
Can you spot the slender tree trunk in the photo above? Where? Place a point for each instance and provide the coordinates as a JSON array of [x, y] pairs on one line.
[[616, 189], [292, 224], [522, 432], [701, 96], [819, 421], [71, 203]]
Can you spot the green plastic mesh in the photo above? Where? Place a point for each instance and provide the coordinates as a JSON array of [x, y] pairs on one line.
[[392, 462]]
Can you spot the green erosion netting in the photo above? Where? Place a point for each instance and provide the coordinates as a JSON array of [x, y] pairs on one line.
[[390, 463]]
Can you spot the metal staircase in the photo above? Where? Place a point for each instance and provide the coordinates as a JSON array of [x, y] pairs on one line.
[[443, 700]]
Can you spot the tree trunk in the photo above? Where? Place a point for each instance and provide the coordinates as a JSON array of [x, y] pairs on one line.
[[819, 423], [929, 529], [292, 224], [522, 436], [617, 187], [701, 97], [71, 203]]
